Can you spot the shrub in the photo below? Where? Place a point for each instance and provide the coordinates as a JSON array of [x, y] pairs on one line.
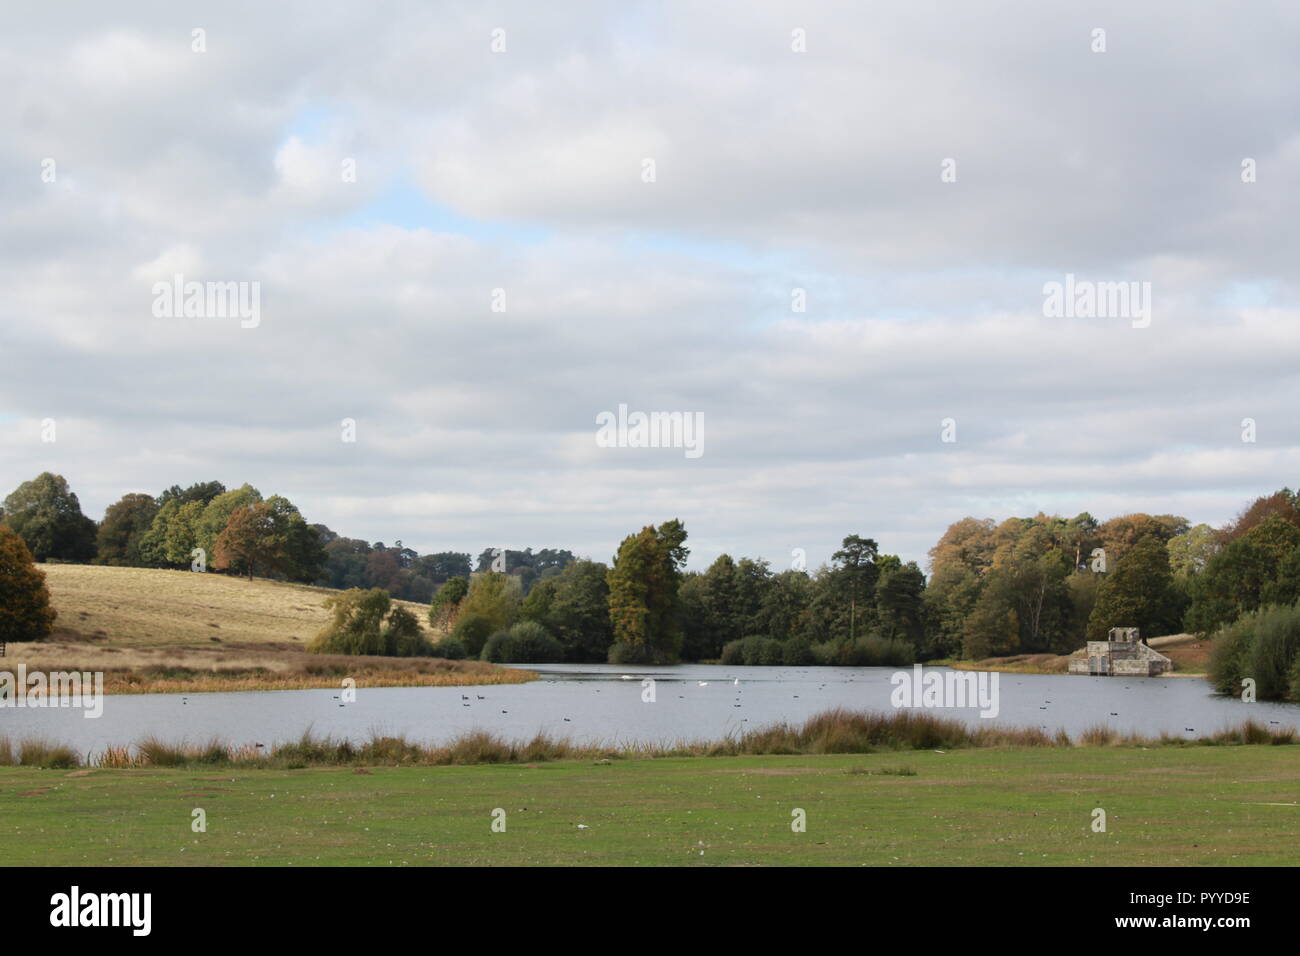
[[870, 651], [356, 628], [1273, 650], [472, 631], [1263, 645], [623, 652], [526, 643], [366, 622], [796, 653], [1228, 655], [757, 650], [402, 635], [449, 648], [762, 651]]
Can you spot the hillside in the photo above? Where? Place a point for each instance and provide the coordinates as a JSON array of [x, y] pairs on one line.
[[156, 630], [145, 607]]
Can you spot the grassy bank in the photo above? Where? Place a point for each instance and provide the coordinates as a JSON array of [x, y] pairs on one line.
[[1173, 806], [836, 731]]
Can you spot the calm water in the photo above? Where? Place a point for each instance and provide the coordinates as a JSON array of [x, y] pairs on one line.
[[593, 702]]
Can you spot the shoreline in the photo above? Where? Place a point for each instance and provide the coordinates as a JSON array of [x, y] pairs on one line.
[[834, 731]]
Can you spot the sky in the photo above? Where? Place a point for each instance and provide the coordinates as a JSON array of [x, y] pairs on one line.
[[822, 230]]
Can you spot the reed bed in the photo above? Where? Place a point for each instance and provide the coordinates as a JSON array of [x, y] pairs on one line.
[[838, 731]]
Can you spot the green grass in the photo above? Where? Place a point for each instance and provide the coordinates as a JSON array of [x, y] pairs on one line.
[[1033, 806]]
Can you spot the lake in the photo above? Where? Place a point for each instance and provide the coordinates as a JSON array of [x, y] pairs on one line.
[[595, 703]]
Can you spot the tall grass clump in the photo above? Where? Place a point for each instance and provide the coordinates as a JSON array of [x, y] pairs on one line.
[[49, 756]]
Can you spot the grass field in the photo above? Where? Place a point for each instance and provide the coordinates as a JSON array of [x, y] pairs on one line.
[[1168, 806], [153, 630], [149, 607]]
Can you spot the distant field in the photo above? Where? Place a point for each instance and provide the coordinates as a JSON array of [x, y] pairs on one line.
[[153, 630], [128, 607], [1172, 806]]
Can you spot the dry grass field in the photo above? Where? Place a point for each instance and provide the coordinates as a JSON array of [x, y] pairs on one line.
[[144, 607], [154, 631]]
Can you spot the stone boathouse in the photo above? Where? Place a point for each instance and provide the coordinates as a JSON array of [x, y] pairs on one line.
[[1122, 654]]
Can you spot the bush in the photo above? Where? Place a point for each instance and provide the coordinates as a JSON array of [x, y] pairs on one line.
[[472, 631], [1231, 645], [1273, 650], [1263, 645], [449, 648], [357, 623], [526, 643], [403, 636], [621, 652], [870, 651], [363, 624], [797, 653]]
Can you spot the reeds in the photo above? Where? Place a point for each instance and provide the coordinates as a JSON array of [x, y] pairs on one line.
[[838, 731]]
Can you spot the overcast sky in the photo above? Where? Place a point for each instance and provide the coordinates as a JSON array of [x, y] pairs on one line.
[[524, 169]]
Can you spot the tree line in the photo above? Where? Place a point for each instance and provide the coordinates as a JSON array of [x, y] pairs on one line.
[[1041, 584], [238, 531]]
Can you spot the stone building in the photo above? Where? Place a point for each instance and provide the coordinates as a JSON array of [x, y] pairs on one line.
[[1122, 654]]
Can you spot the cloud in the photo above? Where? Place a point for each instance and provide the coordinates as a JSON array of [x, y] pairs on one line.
[[516, 178]]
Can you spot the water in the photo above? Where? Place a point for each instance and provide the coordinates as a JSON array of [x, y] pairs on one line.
[[693, 702]]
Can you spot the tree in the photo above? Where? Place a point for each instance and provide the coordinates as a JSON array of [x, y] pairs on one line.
[[1281, 504], [993, 627], [1191, 551], [25, 612], [402, 636], [1119, 535], [446, 603], [47, 516], [216, 513], [495, 596], [1138, 592], [201, 491], [270, 536], [358, 626], [1250, 570], [121, 533], [248, 541], [643, 584], [578, 614], [900, 595]]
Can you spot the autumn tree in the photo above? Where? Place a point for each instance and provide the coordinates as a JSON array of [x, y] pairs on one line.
[[270, 536], [25, 612]]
